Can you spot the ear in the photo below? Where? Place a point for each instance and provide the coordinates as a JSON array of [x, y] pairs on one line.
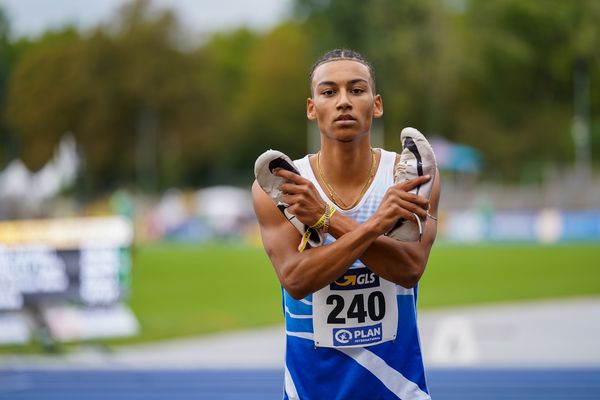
[[311, 113], [377, 106]]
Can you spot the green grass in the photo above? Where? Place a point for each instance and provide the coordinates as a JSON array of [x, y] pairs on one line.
[[462, 275], [183, 290]]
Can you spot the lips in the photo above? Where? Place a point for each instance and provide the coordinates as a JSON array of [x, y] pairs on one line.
[[345, 117]]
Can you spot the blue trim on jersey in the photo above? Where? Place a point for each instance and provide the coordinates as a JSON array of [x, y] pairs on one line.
[[295, 307], [336, 376], [404, 353], [329, 373], [416, 294]]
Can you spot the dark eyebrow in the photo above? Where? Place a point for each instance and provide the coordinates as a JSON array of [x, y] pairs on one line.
[[351, 82], [327, 83]]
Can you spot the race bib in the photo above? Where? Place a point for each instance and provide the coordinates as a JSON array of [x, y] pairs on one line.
[[359, 309]]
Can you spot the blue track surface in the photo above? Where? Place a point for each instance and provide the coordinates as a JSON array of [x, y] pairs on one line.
[[463, 384]]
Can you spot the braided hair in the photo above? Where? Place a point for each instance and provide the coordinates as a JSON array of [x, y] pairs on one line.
[[342, 54]]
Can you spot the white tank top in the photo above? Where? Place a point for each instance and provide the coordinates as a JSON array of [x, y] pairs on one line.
[[384, 178], [392, 369]]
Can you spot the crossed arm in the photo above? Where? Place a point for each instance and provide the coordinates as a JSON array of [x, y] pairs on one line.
[[306, 272]]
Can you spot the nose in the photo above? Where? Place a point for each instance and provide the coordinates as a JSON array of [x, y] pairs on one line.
[[343, 101]]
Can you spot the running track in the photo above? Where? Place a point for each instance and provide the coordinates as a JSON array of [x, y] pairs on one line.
[[445, 384]]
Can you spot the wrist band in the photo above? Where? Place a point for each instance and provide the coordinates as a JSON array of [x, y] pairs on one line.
[[322, 223], [329, 211]]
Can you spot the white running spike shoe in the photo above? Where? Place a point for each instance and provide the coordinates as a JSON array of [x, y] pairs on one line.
[[417, 159], [264, 167]]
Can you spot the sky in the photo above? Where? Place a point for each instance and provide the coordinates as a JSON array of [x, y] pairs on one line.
[[32, 17]]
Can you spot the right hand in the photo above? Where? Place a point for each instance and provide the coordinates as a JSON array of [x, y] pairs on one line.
[[302, 197]]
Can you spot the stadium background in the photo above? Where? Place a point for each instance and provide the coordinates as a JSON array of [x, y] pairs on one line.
[[148, 117]]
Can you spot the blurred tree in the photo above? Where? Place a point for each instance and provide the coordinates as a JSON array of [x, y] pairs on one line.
[[37, 85], [335, 23], [494, 74], [157, 79], [222, 72], [411, 45], [7, 141], [273, 111], [119, 89], [519, 108]]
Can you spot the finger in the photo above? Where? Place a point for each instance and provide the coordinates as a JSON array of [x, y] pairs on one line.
[[288, 175], [409, 216], [397, 193], [290, 199], [420, 201], [413, 183], [396, 207], [412, 208], [292, 188]]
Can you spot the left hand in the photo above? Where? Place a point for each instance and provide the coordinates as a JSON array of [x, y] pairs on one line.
[[398, 203]]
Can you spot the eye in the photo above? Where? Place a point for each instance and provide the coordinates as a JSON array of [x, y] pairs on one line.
[[327, 92], [357, 90]]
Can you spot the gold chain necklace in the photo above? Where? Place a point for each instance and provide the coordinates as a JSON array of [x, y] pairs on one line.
[[332, 193]]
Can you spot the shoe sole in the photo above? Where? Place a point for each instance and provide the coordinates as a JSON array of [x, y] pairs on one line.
[[264, 167], [417, 159]]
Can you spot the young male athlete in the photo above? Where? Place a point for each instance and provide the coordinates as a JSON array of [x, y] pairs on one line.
[[349, 287]]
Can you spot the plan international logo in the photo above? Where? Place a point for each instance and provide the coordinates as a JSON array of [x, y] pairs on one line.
[[358, 278], [357, 336]]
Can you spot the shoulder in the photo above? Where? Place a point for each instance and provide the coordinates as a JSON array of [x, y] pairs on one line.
[[388, 156], [396, 159], [434, 200], [437, 186], [267, 213], [303, 164], [256, 189], [262, 202]]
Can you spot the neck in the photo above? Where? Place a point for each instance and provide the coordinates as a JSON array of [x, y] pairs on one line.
[[345, 166], [346, 162]]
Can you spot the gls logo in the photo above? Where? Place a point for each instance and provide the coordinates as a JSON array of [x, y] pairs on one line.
[[359, 278]]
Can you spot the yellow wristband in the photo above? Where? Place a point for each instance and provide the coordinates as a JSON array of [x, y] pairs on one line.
[[322, 223], [328, 214]]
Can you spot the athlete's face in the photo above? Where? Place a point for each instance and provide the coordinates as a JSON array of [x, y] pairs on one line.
[[343, 102]]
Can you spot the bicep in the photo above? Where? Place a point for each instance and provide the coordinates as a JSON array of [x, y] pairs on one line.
[[386, 253], [434, 201], [279, 237]]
